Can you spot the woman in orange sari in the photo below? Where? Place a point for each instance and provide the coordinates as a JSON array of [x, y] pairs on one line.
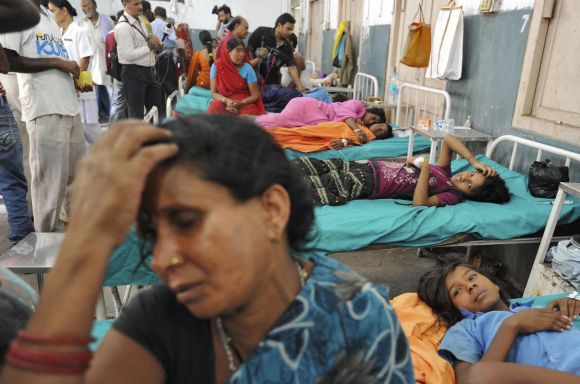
[[234, 86], [201, 61], [328, 135]]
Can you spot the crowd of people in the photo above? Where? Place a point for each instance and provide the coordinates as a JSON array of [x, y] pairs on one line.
[[225, 218]]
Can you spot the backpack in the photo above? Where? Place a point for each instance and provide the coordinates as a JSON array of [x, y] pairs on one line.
[[112, 58]]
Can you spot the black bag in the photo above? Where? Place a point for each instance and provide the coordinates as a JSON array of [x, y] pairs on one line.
[[544, 178], [116, 67]]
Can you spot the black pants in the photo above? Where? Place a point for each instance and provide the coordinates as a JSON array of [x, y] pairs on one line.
[[142, 90], [336, 181]]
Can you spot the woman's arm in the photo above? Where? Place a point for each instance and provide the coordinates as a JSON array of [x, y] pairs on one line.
[[509, 373], [421, 194], [219, 97], [116, 168], [214, 93], [254, 94], [452, 144], [340, 143], [524, 322], [356, 129]]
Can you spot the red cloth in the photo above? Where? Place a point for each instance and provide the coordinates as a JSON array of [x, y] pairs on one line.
[[224, 43], [182, 32], [230, 84], [219, 108], [110, 44]]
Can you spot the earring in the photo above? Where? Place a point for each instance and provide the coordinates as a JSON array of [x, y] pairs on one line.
[[175, 261]]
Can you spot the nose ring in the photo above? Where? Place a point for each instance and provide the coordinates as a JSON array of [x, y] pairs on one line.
[[175, 261]]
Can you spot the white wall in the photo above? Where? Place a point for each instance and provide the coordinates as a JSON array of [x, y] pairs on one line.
[[197, 13], [378, 12]]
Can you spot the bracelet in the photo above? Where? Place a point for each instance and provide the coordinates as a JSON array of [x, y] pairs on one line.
[[344, 142], [48, 362], [53, 340]]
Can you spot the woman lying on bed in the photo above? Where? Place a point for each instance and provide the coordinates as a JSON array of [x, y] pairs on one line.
[[486, 336], [302, 111], [336, 181], [329, 135]]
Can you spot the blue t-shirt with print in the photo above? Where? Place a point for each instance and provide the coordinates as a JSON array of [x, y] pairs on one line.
[[470, 338], [246, 71]]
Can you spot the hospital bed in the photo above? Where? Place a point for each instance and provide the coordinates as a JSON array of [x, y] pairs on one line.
[[391, 222], [387, 148]]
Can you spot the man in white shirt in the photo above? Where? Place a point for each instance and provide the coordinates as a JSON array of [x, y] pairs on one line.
[[51, 111], [159, 23], [99, 25], [136, 48]]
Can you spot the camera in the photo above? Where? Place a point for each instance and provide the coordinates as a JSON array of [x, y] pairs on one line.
[[215, 10]]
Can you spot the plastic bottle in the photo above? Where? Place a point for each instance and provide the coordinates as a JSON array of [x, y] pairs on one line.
[[467, 123], [393, 88]]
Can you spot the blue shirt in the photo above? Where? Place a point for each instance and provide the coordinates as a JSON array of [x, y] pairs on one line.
[[157, 25], [246, 71], [471, 337]]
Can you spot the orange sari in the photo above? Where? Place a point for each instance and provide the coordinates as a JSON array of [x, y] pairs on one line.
[[198, 73], [314, 138]]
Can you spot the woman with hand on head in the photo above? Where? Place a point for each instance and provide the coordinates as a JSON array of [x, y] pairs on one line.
[[234, 85], [489, 341], [226, 218]]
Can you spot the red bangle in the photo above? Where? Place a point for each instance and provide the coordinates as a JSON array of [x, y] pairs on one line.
[[54, 340], [53, 358], [48, 362]]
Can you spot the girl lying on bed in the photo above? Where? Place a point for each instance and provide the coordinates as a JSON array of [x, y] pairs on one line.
[[329, 135], [336, 181], [485, 333], [302, 111]]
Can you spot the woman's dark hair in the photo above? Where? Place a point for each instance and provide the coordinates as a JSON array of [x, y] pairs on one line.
[[207, 41], [205, 37], [64, 4], [433, 291], [234, 22], [244, 158], [14, 315], [380, 113], [233, 43], [493, 190]]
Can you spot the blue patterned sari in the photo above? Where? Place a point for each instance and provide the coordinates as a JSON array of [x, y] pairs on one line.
[[339, 329]]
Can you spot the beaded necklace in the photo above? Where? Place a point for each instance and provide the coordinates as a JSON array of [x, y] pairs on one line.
[[225, 337]]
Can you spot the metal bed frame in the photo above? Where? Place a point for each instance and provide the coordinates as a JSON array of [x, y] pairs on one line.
[[365, 85], [468, 241]]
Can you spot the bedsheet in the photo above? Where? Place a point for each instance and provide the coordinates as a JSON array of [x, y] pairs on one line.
[[360, 223], [393, 147]]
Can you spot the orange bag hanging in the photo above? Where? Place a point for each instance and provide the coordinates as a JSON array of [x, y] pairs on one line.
[[418, 45]]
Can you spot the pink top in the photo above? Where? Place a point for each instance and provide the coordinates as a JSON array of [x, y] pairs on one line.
[[308, 111], [397, 180]]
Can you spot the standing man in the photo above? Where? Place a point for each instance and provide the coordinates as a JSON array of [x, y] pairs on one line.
[[159, 23], [99, 27], [224, 18], [280, 51], [50, 109], [136, 48], [13, 184]]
